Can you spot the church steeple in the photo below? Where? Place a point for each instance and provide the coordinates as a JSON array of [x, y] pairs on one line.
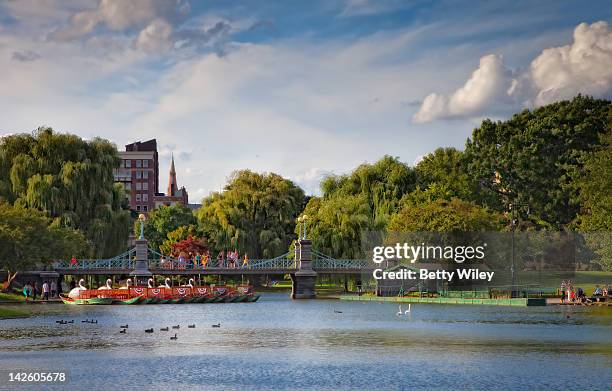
[[172, 185]]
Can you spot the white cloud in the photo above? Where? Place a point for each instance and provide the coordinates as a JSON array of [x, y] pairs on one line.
[[370, 7], [310, 180], [156, 37], [585, 66], [119, 15]]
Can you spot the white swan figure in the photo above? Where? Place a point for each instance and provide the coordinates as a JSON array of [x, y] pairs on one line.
[[166, 284], [76, 292], [128, 284], [400, 312], [150, 283], [191, 282], [109, 285]]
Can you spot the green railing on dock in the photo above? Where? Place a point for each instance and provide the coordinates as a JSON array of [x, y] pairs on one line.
[[517, 302]]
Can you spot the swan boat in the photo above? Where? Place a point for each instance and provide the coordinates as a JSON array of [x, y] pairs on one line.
[[163, 294]]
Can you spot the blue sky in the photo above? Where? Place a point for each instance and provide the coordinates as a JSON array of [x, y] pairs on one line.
[[303, 89]]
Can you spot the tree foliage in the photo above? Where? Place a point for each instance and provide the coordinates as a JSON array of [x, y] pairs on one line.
[[189, 245], [254, 214], [336, 224], [69, 179], [382, 185], [528, 159], [594, 187], [181, 233], [441, 215], [445, 171], [29, 238], [355, 204], [164, 220]]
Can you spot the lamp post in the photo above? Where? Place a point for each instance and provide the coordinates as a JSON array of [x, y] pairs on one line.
[[142, 219], [141, 264], [304, 219], [514, 222], [299, 221]]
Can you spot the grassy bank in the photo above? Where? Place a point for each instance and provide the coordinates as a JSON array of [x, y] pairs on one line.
[[6, 312], [5, 296]]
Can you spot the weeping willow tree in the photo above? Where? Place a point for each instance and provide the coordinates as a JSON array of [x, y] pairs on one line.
[[355, 203], [254, 214], [69, 179], [381, 184]]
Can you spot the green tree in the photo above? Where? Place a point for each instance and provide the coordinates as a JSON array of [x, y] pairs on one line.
[[163, 220], [255, 214], [444, 216], [179, 234], [445, 168], [336, 224], [382, 184], [28, 238], [528, 159], [593, 184], [69, 179]]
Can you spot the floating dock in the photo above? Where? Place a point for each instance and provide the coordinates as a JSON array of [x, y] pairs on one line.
[[518, 302]]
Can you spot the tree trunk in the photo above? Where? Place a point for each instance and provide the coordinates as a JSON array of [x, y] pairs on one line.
[[10, 278]]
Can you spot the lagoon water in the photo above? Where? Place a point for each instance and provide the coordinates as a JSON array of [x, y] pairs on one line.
[[281, 344]]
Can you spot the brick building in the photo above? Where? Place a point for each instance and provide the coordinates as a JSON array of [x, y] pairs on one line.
[[139, 174]]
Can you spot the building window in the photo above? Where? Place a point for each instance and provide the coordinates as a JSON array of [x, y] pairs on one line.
[[128, 163], [138, 163], [145, 174], [145, 208], [138, 186], [145, 198], [145, 163], [138, 208], [138, 197], [145, 186], [138, 174], [128, 185]]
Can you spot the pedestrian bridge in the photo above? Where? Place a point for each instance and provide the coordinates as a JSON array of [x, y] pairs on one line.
[[125, 263]]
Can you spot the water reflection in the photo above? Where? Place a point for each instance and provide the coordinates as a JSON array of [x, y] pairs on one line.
[[261, 344]]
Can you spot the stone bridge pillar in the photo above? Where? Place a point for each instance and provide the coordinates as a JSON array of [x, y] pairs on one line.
[[141, 266], [303, 281]]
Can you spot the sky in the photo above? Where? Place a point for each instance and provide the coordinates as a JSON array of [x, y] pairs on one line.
[[304, 89]]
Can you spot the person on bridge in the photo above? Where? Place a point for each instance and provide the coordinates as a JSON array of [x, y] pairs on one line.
[[245, 261], [205, 259], [198, 260], [73, 261], [220, 258]]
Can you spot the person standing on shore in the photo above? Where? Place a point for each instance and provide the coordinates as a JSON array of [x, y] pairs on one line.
[[45, 291], [34, 290], [563, 288], [27, 290], [53, 288]]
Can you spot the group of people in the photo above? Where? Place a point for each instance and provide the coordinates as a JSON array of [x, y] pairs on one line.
[[190, 260], [47, 290], [572, 294]]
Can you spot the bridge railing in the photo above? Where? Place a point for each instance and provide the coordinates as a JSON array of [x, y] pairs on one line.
[[252, 264], [126, 261], [347, 264], [121, 261]]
